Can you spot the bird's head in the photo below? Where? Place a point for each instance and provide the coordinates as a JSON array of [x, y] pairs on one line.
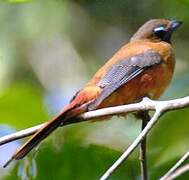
[[157, 30]]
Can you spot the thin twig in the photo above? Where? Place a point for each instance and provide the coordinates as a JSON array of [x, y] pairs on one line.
[[178, 172], [20, 134], [160, 107], [176, 166], [143, 105], [134, 145], [143, 148]]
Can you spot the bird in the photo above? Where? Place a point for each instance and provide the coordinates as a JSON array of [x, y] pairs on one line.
[[143, 67]]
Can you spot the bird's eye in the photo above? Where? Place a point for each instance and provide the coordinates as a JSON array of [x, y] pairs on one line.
[[160, 31]]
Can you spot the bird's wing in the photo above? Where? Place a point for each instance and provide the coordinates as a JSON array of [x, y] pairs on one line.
[[124, 71]]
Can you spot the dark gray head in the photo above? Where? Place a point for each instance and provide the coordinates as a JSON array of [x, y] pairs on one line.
[[157, 30]]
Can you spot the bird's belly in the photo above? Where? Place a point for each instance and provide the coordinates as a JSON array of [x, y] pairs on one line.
[[151, 83]]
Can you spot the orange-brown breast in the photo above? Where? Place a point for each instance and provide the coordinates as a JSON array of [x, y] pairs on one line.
[[151, 82]]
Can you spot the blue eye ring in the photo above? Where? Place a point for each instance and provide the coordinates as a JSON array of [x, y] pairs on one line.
[[160, 28], [161, 32]]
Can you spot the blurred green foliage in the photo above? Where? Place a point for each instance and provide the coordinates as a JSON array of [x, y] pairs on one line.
[[77, 162], [18, 1], [48, 47], [29, 111]]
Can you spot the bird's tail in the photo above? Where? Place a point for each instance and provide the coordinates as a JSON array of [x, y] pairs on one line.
[[42, 134]]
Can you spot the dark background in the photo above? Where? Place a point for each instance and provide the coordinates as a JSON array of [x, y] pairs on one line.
[[50, 49]]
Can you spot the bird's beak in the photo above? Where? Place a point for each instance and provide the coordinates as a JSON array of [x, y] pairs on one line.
[[175, 24]]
